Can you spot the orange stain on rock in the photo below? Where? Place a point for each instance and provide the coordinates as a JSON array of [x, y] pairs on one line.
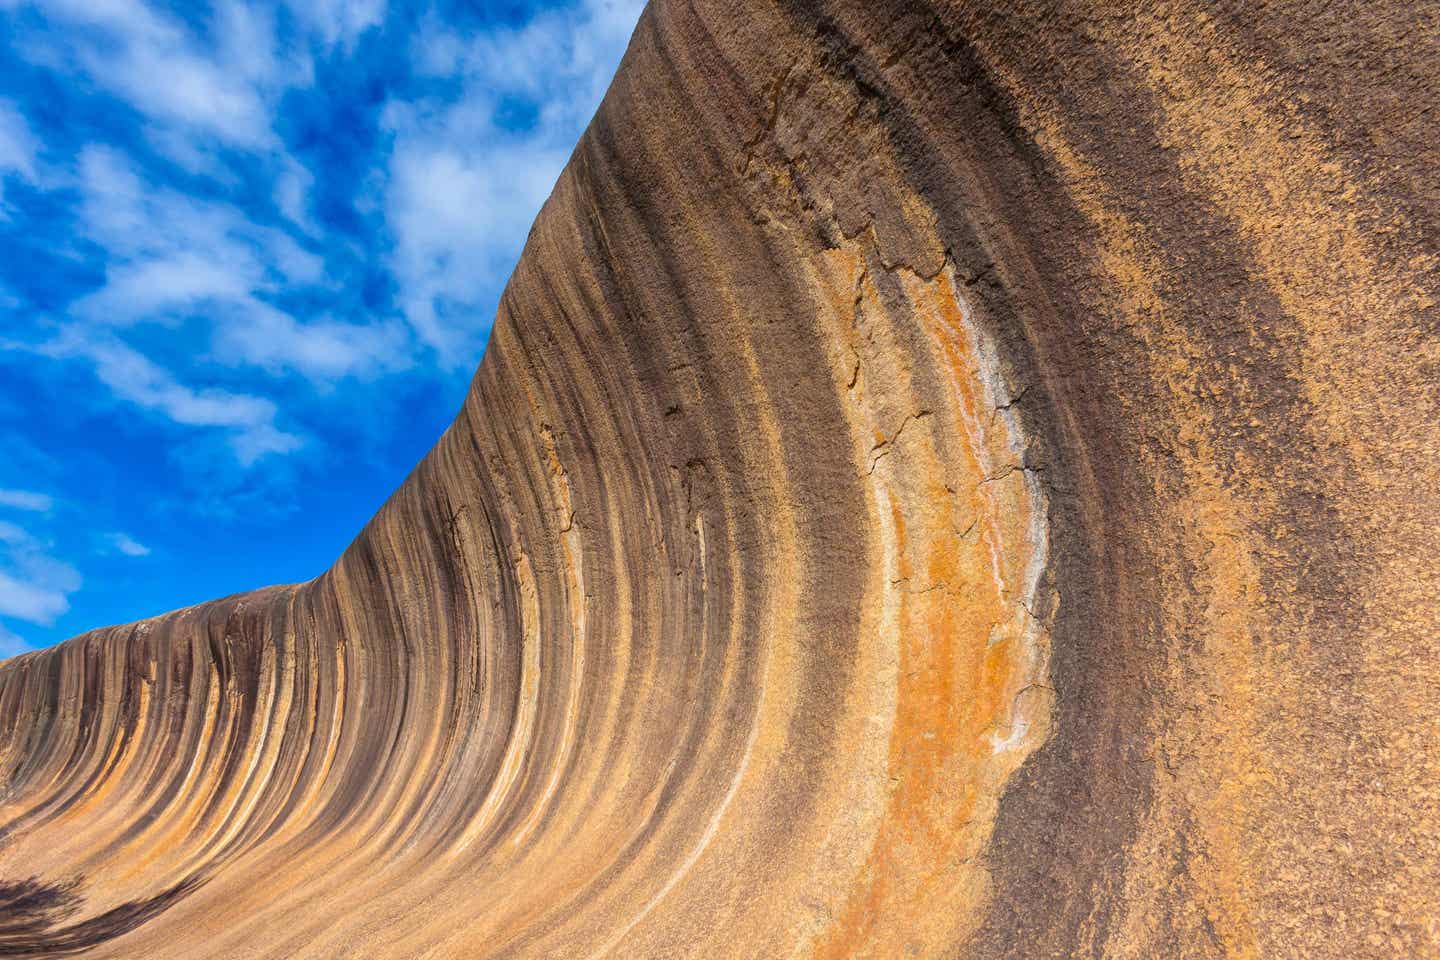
[[961, 646]]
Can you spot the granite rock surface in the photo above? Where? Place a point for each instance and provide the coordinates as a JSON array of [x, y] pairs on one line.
[[947, 480]]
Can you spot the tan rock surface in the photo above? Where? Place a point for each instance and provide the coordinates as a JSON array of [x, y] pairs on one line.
[[947, 480]]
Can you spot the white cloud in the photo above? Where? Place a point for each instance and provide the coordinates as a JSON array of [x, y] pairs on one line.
[[261, 441], [339, 21], [127, 544], [321, 350], [173, 258], [292, 193], [34, 586], [562, 51], [18, 146], [32, 602], [146, 288], [12, 645], [463, 189], [132, 376], [459, 217], [165, 71], [247, 48], [26, 500], [174, 255], [293, 264], [170, 250], [136, 221]]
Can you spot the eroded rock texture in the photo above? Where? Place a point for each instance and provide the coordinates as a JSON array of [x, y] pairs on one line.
[[947, 480]]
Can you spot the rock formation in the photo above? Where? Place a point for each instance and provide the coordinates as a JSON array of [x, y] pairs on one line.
[[947, 479]]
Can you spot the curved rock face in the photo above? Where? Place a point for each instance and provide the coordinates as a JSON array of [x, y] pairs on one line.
[[946, 480]]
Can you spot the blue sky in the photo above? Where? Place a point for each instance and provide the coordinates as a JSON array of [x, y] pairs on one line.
[[249, 257]]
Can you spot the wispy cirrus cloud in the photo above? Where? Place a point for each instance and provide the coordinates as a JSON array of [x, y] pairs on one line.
[[321, 350], [162, 69], [469, 172], [131, 376], [34, 586], [171, 256], [12, 644], [35, 583], [339, 21], [167, 250], [18, 146], [127, 544], [27, 500]]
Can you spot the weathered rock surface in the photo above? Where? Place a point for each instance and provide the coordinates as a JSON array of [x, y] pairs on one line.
[[947, 480]]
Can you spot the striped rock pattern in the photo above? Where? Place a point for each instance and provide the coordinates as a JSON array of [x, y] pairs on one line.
[[947, 479]]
